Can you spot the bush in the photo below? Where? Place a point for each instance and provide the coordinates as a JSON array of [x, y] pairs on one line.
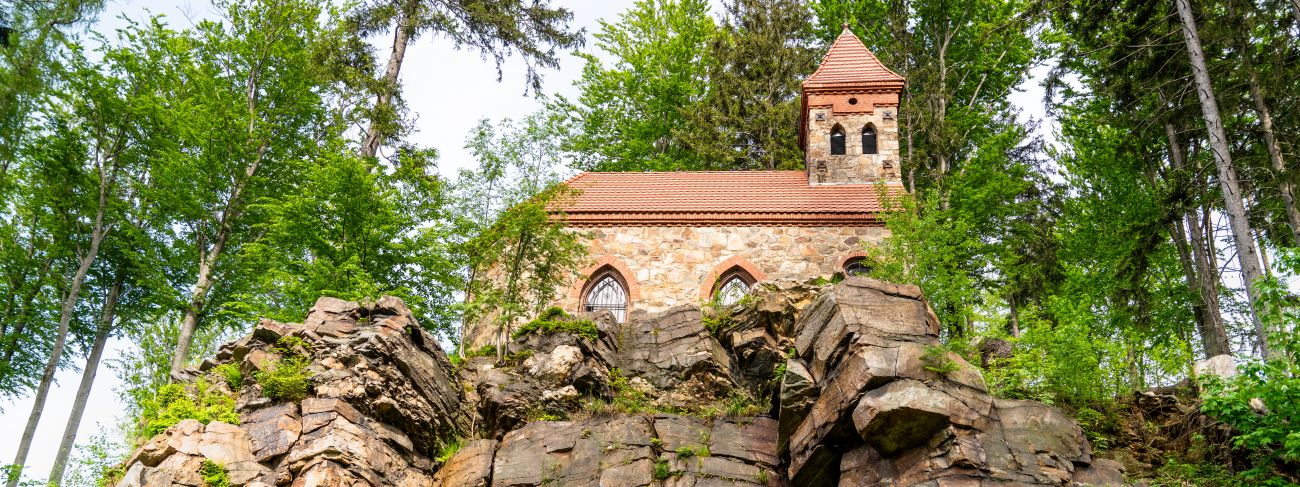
[[1273, 437], [173, 404], [232, 375], [286, 379], [582, 328], [662, 470], [214, 474], [936, 360]]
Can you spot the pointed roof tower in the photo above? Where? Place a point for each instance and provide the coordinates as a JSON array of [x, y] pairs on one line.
[[849, 64], [849, 71]]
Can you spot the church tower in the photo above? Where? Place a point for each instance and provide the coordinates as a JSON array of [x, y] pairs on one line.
[[849, 117]]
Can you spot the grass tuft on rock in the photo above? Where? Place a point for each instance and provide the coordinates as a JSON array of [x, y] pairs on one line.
[[553, 320], [174, 404], [214, 474]]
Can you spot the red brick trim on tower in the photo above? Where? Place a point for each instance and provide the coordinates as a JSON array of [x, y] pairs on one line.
[[629, 278], [718, 270], [846, 259]]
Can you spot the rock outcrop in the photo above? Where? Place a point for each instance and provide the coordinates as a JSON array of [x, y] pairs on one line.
[[805, 383]]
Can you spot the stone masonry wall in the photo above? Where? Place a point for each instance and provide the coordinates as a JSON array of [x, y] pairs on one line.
[[670, 266], [853, 166]]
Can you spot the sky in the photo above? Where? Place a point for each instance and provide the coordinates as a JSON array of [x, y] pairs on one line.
[[448, 90]]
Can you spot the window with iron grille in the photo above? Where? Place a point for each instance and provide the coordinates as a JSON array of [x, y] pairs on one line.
[[732, 286], [607, 293], [732, 291]]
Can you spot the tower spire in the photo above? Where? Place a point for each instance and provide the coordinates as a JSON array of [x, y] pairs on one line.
[[848, 122]]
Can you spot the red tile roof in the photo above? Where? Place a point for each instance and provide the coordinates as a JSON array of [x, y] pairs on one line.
[[719, 198], [850, 63]]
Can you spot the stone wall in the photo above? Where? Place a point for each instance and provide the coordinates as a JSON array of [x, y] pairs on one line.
[[670, 266], [853, 166]]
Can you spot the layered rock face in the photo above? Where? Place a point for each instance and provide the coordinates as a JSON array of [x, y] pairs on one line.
[[856, 404]]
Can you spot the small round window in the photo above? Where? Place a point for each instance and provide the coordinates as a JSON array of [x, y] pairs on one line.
[[857, 267], [853, 101]]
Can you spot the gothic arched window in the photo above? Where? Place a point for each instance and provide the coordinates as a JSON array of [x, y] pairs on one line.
[[868, 140], [606, 290], [837, 141], [733, 286], [857, 267]]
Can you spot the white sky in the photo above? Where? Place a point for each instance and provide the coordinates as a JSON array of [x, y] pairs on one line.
[[449, 90]]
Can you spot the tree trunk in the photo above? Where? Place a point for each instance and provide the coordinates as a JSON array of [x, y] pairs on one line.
[[193, 312], [195, 308], [1202, 277], [87, 379], [1015, 317], [1285, 186], [1247, 255], [1295, 11], [1176, 231], [401, 37], [65, 318]]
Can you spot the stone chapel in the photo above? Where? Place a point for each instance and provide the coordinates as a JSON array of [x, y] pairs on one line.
[[661, 239]]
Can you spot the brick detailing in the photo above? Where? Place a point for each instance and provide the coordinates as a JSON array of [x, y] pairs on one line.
[[633, 288], [706, 290], [845, 260]]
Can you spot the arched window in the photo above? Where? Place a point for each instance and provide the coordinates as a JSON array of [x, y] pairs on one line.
[[733, 286], [606, 290], [868, 140], [837, 141], [857, 267]]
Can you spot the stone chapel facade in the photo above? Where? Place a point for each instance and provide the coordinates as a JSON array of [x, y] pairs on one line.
[[670, 238]]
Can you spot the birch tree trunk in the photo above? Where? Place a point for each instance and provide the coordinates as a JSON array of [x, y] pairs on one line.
[[87, 379], [1247, 254], [56, 353]]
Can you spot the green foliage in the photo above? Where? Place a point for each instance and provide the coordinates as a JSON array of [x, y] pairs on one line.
[[738, 404], [230, 372], [286, 378], [662, 470], [518, 358], [762, 477], [755, 64], [98, 461], [214, 474], [519, 250], [1094, 424], [449, 449], [717, 316], [1179, 473], [174, 404], [629, 115], [354, 230], [582, 328], [937, 360], [1271, 436], [484, 351], [685, 452]]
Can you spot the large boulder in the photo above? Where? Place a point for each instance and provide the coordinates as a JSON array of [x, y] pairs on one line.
[[884, 416], [672, 350]]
